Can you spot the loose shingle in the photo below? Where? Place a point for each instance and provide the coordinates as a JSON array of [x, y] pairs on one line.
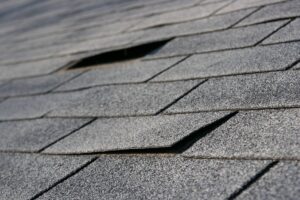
[[133, 133], [129, 177], [24, 176], [36, 85], [281, 182], [253, 134], [213, 23], [228, 39], [34, 135], [125, 100], [270, 90], [116, 73], [182, 15], [250, 60], [242, 4], [291, 32], [273, 12]]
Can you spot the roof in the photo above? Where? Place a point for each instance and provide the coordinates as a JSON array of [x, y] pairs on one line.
[[157, 99]]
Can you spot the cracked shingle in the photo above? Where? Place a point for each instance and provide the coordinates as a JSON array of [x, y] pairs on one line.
[[256, 91], [125, 100], [250, 60], [265, 134], [34, 135], [122, 72], [129, 177], [228, 39], [133, 133], [281, 182], [23, 176]]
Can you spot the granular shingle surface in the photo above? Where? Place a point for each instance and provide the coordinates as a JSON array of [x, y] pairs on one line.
[[156, 99]]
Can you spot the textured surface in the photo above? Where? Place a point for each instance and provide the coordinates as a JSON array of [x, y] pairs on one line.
[[254, 134], [34, 135], [133, 133], [154, 178], [276, 184], [125, 100], [250, 60], [24, 176], [228, 39], [243, 92]]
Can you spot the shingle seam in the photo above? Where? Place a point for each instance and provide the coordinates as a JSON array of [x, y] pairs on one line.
[[252, 181], [64, 178], [251, 13]]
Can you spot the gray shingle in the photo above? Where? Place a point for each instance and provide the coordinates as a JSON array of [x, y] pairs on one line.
[[26, 69], [273, 12], [34, 106], [290, 32], [212, 23], [253, 134], [123, 72], [242, 4], [133, 133], [281, 183], [297, 66], [35, 85], [24, 175], [129, 177], [182, 15], [228, 39], [125, 100], [34, 135], [256, 59], [270, 90]]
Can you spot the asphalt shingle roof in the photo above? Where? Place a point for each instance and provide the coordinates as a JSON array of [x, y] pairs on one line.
[[158, 99]]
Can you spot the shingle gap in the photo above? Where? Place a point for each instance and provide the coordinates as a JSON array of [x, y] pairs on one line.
[[120, 55]]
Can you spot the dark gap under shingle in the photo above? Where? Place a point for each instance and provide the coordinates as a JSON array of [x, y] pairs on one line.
[[119, 55]]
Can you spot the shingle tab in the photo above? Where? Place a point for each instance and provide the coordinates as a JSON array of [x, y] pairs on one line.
[[125, 100], [228, 39], [243, 92], [24, 176], [35, 85], [250, 60], [186, 14], [281, 182], [34, 135], [213, 23], [253, 134], [133, 133], [128, 177], [273, 12], [291, 32], [116, 73], [242, 4]]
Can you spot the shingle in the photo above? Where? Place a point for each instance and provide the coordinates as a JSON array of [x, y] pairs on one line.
[[270, 90], [34, 135], [133, 133], [242, 4], [297, 66], [228, 39], [26, 69], [129, 177], [253, 134], [281, 182], [273, 12], [34, 106], [182, 15], [213, 23], [25, 175], [122, 72], [125, 100], [290, 32], [256, 59], [36, 85]]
